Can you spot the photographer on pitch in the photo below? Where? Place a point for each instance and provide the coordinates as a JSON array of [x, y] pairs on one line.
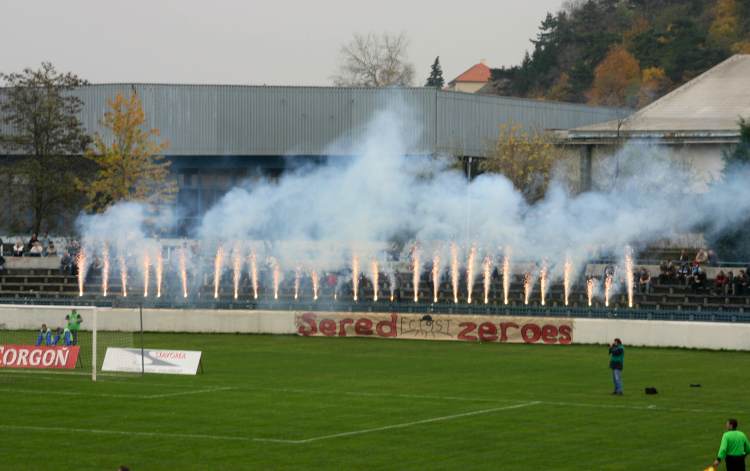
[[616, 360]]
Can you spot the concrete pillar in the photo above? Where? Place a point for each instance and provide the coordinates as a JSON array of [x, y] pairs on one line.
[[586, 157]]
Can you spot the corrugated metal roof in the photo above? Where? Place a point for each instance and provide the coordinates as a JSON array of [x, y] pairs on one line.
[[219, 120], [709, 105]]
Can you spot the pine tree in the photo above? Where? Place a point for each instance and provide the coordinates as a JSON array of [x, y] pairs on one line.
[[436, 75]]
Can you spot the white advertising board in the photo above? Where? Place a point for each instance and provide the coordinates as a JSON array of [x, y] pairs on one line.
[[176, 362]]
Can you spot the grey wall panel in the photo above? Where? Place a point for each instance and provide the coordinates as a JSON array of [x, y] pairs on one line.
[[216, 120]]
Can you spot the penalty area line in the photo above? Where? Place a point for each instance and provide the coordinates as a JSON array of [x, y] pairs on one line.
[[198, 436]]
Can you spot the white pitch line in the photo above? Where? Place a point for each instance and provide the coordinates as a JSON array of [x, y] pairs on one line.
[[254, 439], [197, 436], [118, 396], [417, 422]]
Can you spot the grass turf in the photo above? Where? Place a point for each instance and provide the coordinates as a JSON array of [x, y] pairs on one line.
[[370, 404]]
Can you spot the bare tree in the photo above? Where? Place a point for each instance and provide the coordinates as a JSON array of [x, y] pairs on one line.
[[375, 61]]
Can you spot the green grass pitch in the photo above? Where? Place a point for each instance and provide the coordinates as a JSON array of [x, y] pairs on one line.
[[282, 402]]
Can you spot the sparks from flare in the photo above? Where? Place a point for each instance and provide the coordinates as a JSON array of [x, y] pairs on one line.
[[276, 277], [470, 272], [123, 275], [375, 274], [355, 277], [254, 273], [146, 265], [159, 270], [487, 270], [105, 269], [528, 282], [506, 278], [315, 284], [607, 289], [183, 272], [590, 290], [629, 274], [435, 277], [454, 271], [567, 271], [392, 283], [218, 264], [417, 269], [236, 270], [543, 282], [81, 264]]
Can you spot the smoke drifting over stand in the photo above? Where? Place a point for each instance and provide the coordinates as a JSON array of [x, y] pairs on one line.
[[346, 214]]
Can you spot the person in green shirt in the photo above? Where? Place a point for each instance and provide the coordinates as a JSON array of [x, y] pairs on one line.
[[74, 323], [733, 449], [616, 360]]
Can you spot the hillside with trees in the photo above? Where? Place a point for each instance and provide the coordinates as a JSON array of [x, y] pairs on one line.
[[625, 52]]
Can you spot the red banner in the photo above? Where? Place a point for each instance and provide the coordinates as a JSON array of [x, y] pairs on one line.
[[503, 329], [29, 356]]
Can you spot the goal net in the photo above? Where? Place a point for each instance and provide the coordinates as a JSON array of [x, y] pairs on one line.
[[32, 337]]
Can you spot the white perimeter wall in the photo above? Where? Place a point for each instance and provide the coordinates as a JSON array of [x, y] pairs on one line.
[[709, 335]]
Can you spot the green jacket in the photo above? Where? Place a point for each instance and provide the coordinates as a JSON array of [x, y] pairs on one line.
[[616, 357]]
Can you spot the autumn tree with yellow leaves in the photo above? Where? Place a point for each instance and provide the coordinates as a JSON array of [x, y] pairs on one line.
[[130, 163], [525, 158], [617, 79]]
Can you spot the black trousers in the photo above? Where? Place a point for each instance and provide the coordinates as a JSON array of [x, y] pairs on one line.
[[735, 463]]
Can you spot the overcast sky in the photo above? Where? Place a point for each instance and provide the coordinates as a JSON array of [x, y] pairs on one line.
[[274, 42]]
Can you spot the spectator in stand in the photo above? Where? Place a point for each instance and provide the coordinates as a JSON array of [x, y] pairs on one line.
[[663, 271], [740, 283], [609, 270], [702, 256], [1, 245], [683, 275], [730, 283], [51, 249], [721, 282], [2, 264], [683, 257], [66, 264], [644, 281], [18, 248], [697, 279], [36, 249], [32, 241]]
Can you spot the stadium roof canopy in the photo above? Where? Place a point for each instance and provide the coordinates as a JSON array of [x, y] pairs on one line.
[[233, 120], [704, 110]]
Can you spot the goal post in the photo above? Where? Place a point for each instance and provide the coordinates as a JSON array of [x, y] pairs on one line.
[[100, 328]]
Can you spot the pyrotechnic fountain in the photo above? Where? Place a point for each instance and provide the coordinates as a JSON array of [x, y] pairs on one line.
[[417, 270], [543, 282], [567, 272], [159, 270], [470, 272], [528, 283], [487, 270], [607, 289], [81, 264], [315, 284], [146, 265], [123, 275], [375, 275], [218, 264], [236, 269], [506, 277], [276, 276], [355, 277], [297, 277], [105, 269], [254, 273], [590, 290], [392, 282], [183, 272], [435, 276], [454, 271], [629, 273]]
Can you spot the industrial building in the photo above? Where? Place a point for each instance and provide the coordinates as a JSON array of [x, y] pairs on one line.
[[694, 125], [221, 135]]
